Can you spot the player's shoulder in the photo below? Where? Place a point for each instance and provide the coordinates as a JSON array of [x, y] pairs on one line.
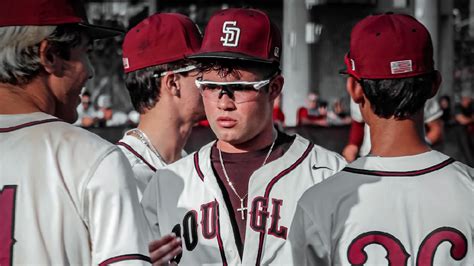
[[59, 135], [464, 170], [327, 194], [321, 156], [133, 149], [81, 140], [187, 166]]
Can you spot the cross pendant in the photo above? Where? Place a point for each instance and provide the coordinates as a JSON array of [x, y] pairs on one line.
[[242, 209]]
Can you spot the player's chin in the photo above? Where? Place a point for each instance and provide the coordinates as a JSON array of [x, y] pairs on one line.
[[230, 136]]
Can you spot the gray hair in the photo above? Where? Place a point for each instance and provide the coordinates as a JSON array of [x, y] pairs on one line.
[[19, 50]]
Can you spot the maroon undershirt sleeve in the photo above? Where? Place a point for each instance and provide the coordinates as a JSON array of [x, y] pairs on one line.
[[356, 133]]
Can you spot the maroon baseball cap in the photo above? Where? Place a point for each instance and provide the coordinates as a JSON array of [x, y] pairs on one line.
[[389, 46], [50, 13], [242, 34], [159, 39]]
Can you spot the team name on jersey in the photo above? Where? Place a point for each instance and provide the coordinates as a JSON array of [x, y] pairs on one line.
[[208, 218]]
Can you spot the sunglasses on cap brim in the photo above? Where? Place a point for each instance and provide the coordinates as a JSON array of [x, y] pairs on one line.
[[175, 71]]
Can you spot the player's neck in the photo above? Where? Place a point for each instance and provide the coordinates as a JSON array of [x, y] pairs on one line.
[[393, 138], [260, 141], [30, 98], [167, 134]]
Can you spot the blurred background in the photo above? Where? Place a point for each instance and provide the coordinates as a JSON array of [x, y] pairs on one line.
[[315, 38]]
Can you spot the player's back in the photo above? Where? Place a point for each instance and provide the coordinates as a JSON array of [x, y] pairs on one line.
[[414, 210], [46, 169]]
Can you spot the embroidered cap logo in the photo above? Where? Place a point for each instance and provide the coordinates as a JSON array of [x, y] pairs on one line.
[[232, 34]]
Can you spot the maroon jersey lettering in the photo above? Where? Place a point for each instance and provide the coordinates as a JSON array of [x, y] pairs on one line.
[[209, 219], [258, 215], [275, 229], [396, 253], [429, 245], [7, 224]]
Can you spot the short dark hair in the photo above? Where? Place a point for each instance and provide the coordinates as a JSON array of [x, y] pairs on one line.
[[144, 85], [400, 98], [226, 67], [65, 37]]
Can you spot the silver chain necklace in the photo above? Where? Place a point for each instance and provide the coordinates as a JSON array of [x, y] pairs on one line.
[[242, 209], [140, 135]]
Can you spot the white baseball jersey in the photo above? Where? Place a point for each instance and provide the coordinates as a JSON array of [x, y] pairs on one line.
[[143, 160], [65, 197], [413, 210], [432, 111], [185, 198]]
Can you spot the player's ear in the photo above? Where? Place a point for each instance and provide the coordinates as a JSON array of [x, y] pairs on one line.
[[354, 89], [437, 79], [275, 87], [51, 62], [172, 84]]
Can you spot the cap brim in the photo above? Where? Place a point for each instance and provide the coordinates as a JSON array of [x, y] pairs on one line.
[[343, 71], [230, 56], [100, 32]]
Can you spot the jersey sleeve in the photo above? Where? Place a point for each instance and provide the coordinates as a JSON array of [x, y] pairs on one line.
[[432, 110], [356, 115], [118, 229], [308, 242]]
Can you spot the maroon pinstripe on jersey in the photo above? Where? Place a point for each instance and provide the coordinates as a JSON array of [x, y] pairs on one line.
[[401, 173], [196, 165], [29, 124], [219, 238], [269, 188], [128, 147]]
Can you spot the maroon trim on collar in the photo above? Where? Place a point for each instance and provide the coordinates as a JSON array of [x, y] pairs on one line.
[[129, 148], [196, 165], [269, 188], [124, 258], [29, 124], [401, 173]]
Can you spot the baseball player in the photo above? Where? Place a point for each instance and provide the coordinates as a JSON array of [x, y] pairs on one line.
[[161, 85], [359, 136], [232, 202], [404, 204], [65, 195]]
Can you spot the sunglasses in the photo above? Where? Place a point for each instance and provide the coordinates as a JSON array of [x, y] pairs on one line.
[[238, 91], [175, 71]]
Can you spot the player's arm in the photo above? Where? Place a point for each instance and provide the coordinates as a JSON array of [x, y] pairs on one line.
[[463, 120], [433, 124], [118, 229], [356, 137], [434, 131]]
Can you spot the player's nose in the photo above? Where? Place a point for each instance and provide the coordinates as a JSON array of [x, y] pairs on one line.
[[225, 101]]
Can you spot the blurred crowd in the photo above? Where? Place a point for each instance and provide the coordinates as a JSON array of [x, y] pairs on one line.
[[461, 113], [101, 113], [316, 112], [105, 101]]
